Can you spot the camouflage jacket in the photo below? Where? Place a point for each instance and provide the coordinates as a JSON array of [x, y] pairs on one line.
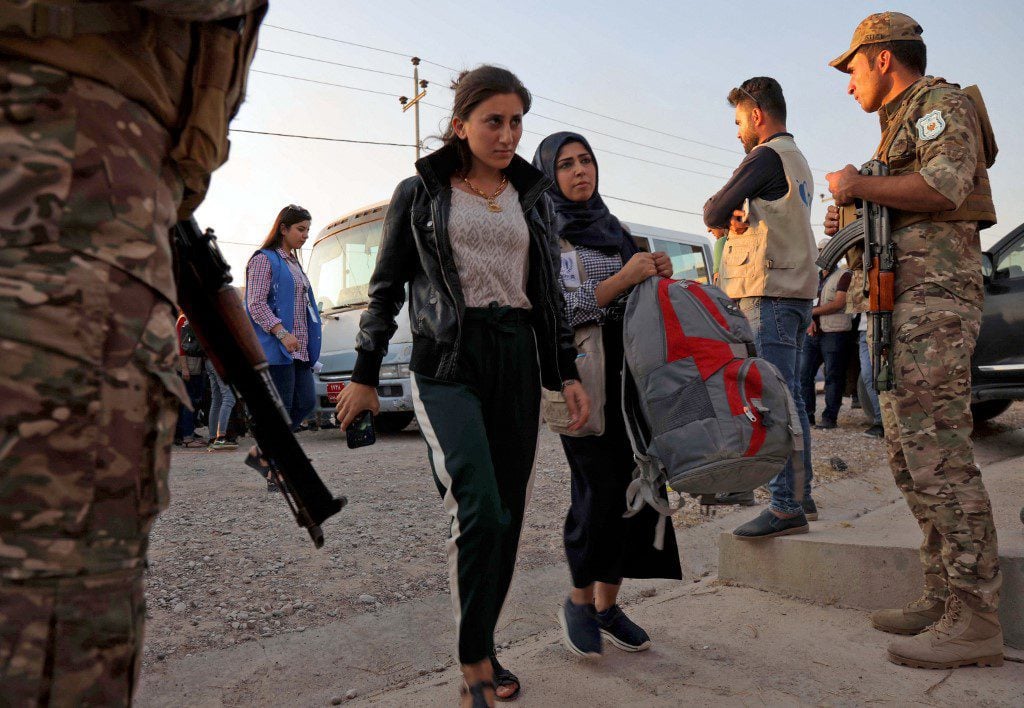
[[937, 134]]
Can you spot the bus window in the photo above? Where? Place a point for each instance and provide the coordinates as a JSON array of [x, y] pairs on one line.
[[341, 266], [687, 260]]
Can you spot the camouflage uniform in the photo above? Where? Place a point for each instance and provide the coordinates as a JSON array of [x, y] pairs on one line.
[[933, 129], [88, 394]]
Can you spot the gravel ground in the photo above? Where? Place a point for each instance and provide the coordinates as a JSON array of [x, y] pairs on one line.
[[228, 565]]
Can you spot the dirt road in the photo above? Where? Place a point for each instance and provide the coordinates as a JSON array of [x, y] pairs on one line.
[[229, 568]]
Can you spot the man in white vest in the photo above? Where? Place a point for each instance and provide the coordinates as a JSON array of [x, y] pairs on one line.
[[768, 267], [829, 344]]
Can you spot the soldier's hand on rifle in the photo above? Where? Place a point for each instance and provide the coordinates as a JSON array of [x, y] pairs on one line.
[[738, 223], [354, 399], [832, 220], [842, 184]]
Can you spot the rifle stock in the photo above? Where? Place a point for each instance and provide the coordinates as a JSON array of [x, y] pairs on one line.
[[220, 322]]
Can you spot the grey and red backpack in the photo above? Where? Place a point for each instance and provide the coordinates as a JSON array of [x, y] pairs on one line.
[[704, 414]]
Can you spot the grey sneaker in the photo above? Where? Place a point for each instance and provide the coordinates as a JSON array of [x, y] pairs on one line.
[[580, 629], [223, 445], [622, 631]]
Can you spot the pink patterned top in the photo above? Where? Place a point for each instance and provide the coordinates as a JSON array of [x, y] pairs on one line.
[[257, 287]]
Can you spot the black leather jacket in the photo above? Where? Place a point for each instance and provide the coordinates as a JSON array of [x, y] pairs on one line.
[[415, 249]]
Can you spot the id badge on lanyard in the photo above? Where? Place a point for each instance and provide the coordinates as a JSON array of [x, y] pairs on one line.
[[569, 271]]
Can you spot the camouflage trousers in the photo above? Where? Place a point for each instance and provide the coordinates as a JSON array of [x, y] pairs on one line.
[[88, 397], [928, 424]]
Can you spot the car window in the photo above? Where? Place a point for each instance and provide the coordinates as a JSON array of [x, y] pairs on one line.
[[1011, 262], [687, 260]]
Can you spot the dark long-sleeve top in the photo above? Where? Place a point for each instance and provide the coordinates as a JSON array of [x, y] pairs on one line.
[[760, 175]]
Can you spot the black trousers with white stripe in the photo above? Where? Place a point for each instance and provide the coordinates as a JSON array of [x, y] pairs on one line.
[[481, 433]]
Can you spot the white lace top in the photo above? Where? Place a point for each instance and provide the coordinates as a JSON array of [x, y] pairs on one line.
[[491, 249]]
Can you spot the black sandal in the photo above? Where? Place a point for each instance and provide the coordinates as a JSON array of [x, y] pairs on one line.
[[503, 677], [477, 692]]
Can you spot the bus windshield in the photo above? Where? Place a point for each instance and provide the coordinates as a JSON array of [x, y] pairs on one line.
[[341, 266]]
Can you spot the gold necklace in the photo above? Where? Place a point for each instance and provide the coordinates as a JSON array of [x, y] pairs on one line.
[[491, 204]]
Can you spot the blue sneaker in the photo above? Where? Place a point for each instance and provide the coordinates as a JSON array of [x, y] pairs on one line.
[[622, 631], [580, 629]]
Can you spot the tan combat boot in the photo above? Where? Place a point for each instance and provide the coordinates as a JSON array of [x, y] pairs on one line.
[[914, 618], [961, 638]]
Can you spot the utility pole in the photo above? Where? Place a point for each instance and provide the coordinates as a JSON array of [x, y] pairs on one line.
[[419, 89]]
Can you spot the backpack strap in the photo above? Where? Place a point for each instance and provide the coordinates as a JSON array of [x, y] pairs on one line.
[[649, 476]]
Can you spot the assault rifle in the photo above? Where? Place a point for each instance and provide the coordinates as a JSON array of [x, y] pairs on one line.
[[220, 322], [865, 237]]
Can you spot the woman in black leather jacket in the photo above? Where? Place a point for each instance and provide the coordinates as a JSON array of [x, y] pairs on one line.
[[470, 234]]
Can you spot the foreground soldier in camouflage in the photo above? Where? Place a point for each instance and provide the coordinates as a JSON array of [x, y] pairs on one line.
[[104, 143], [937, 145]]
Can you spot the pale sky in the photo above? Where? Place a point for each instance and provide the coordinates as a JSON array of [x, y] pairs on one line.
[[665, 66]]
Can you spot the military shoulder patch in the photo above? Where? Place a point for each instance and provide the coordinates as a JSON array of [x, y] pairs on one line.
[[930, 126]]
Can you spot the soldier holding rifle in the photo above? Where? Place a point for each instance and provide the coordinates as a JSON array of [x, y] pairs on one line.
[[112, 117], [937, 144]]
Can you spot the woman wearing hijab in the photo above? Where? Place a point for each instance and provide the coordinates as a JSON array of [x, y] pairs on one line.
[[602, 548]]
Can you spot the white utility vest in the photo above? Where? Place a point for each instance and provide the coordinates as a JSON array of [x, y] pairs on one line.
[[838, 321], [775, 256]]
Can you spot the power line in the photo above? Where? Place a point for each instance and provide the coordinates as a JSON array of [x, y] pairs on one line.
[[324, 83], [637, 125], [617, 154], [317, 137], [653, 206], [544, 98], [631, 142], [370, 142], [538, 115], [339, 41], [333, 63]]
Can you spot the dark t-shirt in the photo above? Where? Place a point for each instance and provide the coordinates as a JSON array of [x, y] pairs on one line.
[[759, 176]]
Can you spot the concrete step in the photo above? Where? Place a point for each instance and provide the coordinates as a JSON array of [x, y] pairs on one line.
[[872, 561]]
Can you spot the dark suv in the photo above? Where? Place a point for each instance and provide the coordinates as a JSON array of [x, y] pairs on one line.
[[998, 364], [997, 369]]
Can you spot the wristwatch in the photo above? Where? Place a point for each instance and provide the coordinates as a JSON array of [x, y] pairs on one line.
[[569, 382], [281, 334]]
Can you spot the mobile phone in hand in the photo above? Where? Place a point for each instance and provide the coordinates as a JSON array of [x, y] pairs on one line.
[[359, 432]]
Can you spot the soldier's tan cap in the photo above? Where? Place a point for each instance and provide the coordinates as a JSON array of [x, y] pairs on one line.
[[877, 28]]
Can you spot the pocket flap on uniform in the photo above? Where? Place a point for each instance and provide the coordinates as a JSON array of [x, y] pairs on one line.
[[736, 254]]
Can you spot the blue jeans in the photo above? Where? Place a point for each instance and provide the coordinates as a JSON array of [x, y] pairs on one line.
[[831, 349], [780, 327], [186, 418], [222, 402], [872, 408], [294, 383]]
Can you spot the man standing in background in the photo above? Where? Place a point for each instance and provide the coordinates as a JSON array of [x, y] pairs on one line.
[[768, 267], [828, 344], [113, 117]]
